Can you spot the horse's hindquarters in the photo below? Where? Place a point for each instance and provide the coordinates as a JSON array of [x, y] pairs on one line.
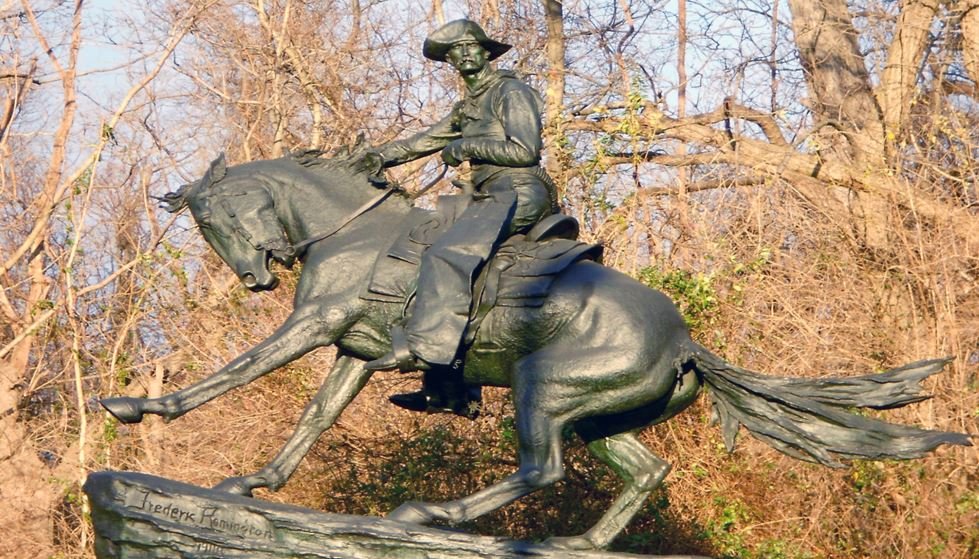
[[601, 344]]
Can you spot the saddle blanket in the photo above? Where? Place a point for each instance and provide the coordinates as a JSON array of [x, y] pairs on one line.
[[519, 274]]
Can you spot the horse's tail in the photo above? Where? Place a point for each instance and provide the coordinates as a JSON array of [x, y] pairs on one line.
[[810, 419]]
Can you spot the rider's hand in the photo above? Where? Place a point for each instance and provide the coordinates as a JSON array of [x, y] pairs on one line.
[[452, 154], [372, 163]]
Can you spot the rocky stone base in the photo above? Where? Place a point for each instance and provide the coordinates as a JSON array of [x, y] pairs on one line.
[[139, 516]]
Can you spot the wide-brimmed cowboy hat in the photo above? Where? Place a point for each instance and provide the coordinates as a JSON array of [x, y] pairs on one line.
[[437, 44]]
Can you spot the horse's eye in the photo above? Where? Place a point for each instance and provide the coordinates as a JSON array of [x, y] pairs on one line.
[[228, 208]]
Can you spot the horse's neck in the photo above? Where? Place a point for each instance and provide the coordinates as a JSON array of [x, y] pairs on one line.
[[342, 262], [340, 267], [311, 203]]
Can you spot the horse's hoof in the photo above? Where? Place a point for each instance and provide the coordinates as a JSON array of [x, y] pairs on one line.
[[572, 543], [235, 486], [410, 512], [124, 408]]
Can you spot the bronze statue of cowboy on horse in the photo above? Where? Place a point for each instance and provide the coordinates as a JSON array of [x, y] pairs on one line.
[[581, 346]]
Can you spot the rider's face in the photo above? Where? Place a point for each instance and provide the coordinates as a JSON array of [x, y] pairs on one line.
[[468, 57]]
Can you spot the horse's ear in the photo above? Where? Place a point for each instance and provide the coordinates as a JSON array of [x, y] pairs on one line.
[[215, 172], [360, 142], [359, 147]]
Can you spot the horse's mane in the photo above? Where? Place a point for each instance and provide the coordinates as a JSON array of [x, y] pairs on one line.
[[312, 158], [347, 160], [346, 164]]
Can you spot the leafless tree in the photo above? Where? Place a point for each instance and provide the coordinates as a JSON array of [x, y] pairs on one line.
[[800, 176]]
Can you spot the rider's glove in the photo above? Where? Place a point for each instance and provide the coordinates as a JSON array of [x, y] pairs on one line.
[[452, 154], [372, 163]]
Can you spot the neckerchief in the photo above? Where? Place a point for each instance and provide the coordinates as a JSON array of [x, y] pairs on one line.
[[469, 106]]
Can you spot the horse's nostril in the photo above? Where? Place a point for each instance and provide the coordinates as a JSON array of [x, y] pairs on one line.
[[249, 280]]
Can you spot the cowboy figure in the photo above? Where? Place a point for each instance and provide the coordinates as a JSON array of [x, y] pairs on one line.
[[497, 128]]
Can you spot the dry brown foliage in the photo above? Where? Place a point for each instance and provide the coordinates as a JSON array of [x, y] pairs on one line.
[[803, 233]]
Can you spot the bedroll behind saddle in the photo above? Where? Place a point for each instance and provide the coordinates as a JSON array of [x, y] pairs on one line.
[[519, 274]]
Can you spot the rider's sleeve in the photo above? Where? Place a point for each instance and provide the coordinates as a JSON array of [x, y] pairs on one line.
[[519, 110], [421, 144]]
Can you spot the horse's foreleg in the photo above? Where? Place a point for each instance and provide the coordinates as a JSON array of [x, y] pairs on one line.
[[343, 383], [300, 334]]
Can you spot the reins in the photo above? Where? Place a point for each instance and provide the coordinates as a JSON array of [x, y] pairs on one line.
[[367, 206], [415, 195]]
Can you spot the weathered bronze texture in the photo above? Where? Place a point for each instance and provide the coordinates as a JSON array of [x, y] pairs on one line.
[[580, 345], [497, 129], [600, 353]]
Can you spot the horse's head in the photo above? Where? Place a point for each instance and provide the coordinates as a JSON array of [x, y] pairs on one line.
[[236, 216]]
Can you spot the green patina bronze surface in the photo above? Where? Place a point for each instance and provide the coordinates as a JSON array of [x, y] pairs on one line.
[[586, 347], [601, 353]]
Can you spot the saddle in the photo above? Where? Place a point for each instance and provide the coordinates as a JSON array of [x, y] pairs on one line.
[[519, 274]]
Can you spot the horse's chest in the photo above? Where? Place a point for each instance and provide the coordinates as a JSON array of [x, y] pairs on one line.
[[369, 337]]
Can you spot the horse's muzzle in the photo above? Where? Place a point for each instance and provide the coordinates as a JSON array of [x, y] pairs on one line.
[[267, 282]]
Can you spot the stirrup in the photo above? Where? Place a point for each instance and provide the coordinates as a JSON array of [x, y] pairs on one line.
[[400, 357], [403, 356]]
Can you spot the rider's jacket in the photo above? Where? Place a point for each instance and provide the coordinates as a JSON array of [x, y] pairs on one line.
[[499, 123], [497, 128]]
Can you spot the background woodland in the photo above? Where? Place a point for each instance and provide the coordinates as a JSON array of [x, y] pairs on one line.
[[800, 176]]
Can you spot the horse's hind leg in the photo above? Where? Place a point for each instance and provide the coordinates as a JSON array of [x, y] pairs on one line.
[[548, 395], [642, 472], [541, 464]]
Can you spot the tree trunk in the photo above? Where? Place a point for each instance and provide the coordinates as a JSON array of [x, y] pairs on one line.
[[899, 79], [839, 85], [970, 40], [27, 494], [848, 120], [683, 176], [438, 12], [24, 490], [554, 94]]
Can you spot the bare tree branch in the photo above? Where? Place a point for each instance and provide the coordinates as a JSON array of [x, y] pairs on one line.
[[56, 188], [806, 171]]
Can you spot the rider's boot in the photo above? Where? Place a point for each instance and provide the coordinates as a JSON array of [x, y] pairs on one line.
[[443, 391], [400, 357]]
